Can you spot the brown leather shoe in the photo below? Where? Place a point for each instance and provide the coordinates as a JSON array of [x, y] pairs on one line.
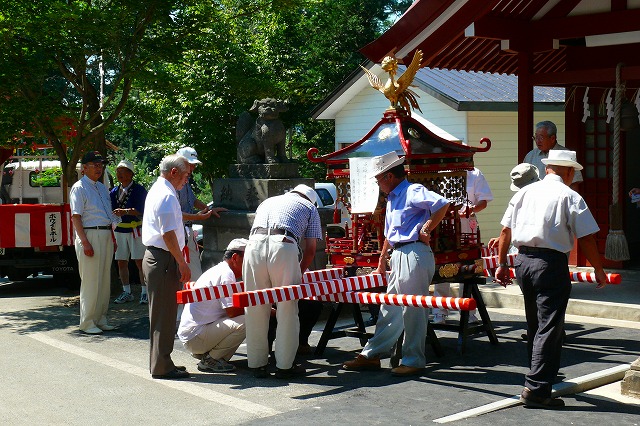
[[362, 363], [533, 401], [405, 370]]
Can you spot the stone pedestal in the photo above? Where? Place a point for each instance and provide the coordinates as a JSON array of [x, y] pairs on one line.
[[242, 196], [631, 383]]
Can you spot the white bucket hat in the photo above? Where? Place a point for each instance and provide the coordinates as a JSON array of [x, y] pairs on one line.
[[308, 192], [522, 175], [237, 244], [561, 157], [384, 163], [126, 164], [190, 154]]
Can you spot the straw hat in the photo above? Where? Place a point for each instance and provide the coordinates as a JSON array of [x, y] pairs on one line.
[[384, 163], [522, 175], [561, 157]]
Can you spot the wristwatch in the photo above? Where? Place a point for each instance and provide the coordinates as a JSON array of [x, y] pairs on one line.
[[503, 265]]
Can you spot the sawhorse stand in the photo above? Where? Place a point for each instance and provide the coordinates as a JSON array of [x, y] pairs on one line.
[[359, 330], [464, 329]]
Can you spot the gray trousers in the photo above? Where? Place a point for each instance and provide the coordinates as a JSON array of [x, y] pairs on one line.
[[544, 280], [163, 280], [412, 269]]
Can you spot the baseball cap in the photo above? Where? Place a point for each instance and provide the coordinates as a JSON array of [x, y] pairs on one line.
[[93, 157], [190, 154], [237, 244]]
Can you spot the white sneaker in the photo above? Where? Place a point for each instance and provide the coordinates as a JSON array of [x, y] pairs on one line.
[[473, 319], [439, 319], [143, 299], [124, 298], [215, 365]]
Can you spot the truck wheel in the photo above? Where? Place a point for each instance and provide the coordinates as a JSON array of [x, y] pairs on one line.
[[70, 281], [17, 274]]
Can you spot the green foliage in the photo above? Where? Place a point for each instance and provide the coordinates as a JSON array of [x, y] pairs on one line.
[[297, 50], [46, 178]]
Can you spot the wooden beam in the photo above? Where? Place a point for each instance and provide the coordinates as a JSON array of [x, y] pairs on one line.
[[525, 105], [584, 25], [581, 77]]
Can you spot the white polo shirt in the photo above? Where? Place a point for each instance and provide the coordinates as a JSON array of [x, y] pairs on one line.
[[196, 315], [162, 214], [548, 214]]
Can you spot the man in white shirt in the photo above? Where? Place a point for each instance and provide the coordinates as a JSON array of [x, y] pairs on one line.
[[212, 330], [92, 220], [163, 264], [479, 194], [542, 221], [545, 139]]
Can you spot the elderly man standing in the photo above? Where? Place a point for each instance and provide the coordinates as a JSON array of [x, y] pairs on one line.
[[164, 265], [271, 260], [546, 140], [92, 219], [542, 221], [212, 330], [127, 201], [189, 203], [412, 213]]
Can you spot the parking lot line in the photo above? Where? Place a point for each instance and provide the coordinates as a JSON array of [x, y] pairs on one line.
[[198, 390]]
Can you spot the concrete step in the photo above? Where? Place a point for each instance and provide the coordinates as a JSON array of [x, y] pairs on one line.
[[620, 301]]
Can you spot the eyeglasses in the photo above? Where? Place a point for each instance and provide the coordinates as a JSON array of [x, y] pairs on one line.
[[98, 165], [380, 179], [539, 137]]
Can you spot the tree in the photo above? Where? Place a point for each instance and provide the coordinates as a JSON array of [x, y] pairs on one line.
[[56, 54], [297, 50]]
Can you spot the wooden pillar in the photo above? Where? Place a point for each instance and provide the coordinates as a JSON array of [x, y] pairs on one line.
[[525, 105]]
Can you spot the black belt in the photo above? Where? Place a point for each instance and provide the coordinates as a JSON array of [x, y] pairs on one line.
[[156, 248], [404, 243], [97, 227], [274, 231], [533, 250]]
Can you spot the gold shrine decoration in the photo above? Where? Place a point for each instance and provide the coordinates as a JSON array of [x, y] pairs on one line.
[[449, 270], [397, 91]]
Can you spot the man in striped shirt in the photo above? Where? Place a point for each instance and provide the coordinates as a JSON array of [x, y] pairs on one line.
[[271, 260]]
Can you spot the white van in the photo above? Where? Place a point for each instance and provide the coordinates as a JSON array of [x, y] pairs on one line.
[[327, 199]]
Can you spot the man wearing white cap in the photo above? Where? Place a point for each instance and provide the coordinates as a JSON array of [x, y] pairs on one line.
[[271, 260], [212, 330], [189, 203], [542, 221], [412, 213], [127, 201]]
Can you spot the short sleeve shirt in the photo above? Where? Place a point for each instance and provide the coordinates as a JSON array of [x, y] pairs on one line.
[[409, 206], [196, 315], [548, 214], [91, 201], [162, 214], [291, 212]]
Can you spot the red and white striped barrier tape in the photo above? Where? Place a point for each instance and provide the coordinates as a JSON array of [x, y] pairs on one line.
[[487, 252], [581, 277], [491, 262], [301, 291], [455, 303], [190, 295]]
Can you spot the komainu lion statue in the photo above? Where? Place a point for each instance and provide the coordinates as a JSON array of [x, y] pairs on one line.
[[262, 140]]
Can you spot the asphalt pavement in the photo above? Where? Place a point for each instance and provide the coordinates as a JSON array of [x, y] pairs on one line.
[[52, 374]]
